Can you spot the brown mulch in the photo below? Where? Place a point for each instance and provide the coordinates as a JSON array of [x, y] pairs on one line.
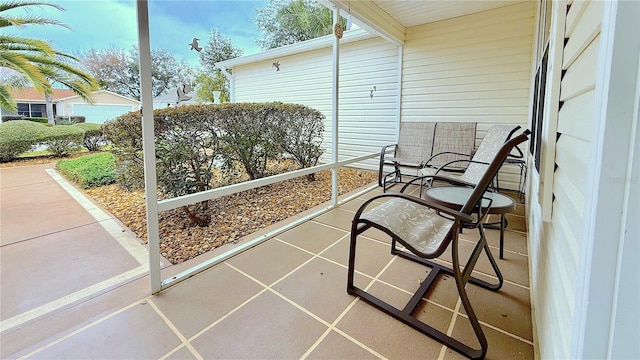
[[38, 160], [232, 216]]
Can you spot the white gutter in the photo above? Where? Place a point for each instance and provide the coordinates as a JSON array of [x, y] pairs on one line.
[[297, 48]]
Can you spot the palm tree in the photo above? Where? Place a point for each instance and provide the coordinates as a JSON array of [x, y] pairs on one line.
[[36, 60]]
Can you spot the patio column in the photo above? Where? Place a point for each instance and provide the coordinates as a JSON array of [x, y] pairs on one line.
[[148, 146], [334, 110]]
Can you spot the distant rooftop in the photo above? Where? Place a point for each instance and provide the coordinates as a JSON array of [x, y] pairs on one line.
[[31, 94]]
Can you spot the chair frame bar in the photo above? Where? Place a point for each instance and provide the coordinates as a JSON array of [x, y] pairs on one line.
[[461, 277]]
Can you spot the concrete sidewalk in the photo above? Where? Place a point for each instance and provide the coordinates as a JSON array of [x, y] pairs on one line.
[[57, 247]]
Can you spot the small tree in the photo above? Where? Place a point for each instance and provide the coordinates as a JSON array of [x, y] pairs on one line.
[[298, 133], [218, 48], [246, 130], [117, 70], [285, 22], [187, 147]]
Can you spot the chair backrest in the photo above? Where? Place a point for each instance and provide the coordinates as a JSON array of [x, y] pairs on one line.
[[493, 140], [415, 142], [458, 137], [491, 171]]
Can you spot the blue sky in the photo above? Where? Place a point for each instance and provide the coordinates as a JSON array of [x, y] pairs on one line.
[[173, 23]]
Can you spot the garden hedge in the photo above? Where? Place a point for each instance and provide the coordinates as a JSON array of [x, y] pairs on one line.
[[93, 136], [191, 140], [63, 140], [18, 136]]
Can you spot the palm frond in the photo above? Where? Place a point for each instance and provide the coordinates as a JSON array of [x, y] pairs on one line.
[[35, 44], [9, 5], [6, 101], [20, 63]]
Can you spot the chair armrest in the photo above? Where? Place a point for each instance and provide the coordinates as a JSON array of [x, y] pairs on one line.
[[452, 181], [427, 163], [443, 209], [385, 149], [383, 153]]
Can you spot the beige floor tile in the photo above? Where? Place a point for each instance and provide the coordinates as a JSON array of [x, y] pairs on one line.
[[312, 236], [513, 267], [268, 327], [270, 260], [44, 269], [339, 218], [513, 241], [385, 335], [371, 256], [500, 346], [320, 287], [182, 354], [136, 333], [508, 308], [409, 275], [336, 347], [195, 303]]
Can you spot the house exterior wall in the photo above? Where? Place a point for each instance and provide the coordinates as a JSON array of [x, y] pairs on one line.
[[555, 245], [366, 123], [474, 68]]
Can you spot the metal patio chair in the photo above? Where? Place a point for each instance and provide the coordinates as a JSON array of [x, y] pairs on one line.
[[417, 143], [425, 230], [474, 166]]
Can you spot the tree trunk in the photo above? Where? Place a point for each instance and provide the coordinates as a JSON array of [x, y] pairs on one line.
[[50, 116]]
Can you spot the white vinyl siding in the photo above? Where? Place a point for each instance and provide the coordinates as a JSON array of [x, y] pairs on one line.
[[474, 68], [366, 123], [555, 250]]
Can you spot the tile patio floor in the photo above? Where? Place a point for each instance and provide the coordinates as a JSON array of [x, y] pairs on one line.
[[286, 299]]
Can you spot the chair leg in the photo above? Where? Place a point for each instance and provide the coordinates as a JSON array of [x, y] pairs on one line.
[[464, 298], [405, 315]]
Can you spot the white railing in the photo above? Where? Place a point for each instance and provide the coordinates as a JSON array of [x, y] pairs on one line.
[[236, 188]]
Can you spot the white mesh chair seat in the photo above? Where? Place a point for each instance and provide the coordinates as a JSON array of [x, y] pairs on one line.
[[418, 226]]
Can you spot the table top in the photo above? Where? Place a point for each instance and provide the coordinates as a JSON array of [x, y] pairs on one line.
[[456, 196]]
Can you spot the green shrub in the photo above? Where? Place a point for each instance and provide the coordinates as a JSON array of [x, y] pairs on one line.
[[190, 139], [298, 132], [63, 140], [93, 136], [125, 135], [69, 120], [17, 137], [246, 130], [41, 120], [6, 118], [187, 146], [89, 171]]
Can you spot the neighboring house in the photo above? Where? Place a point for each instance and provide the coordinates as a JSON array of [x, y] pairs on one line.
[[568, 70], [31, 103], [108, 105], [169, 98]]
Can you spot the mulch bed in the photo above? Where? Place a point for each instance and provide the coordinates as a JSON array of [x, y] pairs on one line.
[[232, 217]]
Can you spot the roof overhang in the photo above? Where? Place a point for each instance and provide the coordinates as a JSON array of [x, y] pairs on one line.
[[370, 17], [304, 46]]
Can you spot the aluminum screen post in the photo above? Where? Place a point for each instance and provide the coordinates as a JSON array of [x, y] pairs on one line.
[[148, 146], [334, 110]]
